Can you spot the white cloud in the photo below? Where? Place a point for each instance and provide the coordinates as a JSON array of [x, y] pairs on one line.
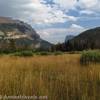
[[71, 18], [44, 14], [75, 26], [88, 3], [87, 12], [39, 12], [93, 5], [51, 15], [59, 34], [66, 4]]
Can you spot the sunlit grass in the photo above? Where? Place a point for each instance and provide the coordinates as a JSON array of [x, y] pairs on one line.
[[58, 77]]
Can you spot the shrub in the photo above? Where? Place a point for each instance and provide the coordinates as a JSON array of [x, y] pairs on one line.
[[74, 52], [90, 56], [44, 53], [58, 53], [24, 53]]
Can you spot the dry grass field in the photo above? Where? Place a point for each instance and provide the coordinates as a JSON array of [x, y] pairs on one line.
[[57, 77]]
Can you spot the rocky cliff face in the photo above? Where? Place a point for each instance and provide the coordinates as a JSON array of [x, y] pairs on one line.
[[18, 34]]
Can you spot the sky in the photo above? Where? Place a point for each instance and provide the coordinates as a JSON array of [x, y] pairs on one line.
[[54, 19]]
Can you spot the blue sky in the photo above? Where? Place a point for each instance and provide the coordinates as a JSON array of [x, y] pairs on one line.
[[54, 19]]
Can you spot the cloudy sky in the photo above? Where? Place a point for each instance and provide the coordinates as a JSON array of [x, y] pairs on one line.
[[54, 19]]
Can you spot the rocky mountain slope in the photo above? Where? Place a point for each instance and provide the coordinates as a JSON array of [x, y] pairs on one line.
[[20, 35], [89, 39]]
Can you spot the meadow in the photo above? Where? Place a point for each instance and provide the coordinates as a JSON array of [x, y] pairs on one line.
[[59, 77]]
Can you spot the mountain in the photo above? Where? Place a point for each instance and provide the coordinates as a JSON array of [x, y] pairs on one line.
[[89, 39], [15, 33], [69, 37]]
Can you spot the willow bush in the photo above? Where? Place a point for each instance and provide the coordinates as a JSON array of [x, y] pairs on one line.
[[90, 57]]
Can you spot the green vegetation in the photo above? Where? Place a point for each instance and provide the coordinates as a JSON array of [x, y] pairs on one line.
[[90, 56], [43, 53], [58, 53], [23, 53]]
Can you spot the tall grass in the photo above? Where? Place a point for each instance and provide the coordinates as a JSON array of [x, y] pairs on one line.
[[58, 77]]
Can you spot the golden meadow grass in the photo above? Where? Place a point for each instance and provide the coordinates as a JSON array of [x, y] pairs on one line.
[[58, 77]]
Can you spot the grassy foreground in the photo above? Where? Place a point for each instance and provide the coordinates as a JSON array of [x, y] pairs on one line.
[[57, 77]]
